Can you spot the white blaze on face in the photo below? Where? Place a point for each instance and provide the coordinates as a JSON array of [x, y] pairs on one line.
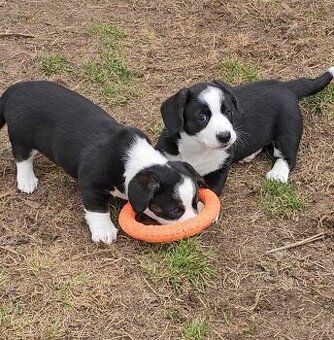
[[185, 192], [213, 97]]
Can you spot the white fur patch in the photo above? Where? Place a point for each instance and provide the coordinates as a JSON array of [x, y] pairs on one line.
[[117, 193], [279, 172], [249, 158], [213, 97], [204, 160], [331, 70], [101, 227], [26, 179], [141, 155], [186, 192]]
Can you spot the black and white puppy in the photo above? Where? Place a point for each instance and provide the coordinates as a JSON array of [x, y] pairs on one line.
[[106, 157], [210, 125]]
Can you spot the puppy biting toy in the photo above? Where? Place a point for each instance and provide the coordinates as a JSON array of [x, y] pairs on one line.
[[175, 231]]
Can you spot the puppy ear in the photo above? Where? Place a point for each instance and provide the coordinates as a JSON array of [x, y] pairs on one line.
[[172, 111], [229, 89], [199, 179], [141, 190]]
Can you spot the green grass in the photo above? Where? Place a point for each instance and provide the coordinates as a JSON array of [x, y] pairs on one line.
[[55, 64], [235, 71], [181, 264], [280, 198], [113, 79], [11, 317], [195, 330], [64, 289], [321, 101], [110, 35]]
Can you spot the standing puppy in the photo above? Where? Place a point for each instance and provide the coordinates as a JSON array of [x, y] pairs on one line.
[[203, 122], [106, 157]]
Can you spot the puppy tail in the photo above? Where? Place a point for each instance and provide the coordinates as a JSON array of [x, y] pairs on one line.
[[304, 87]]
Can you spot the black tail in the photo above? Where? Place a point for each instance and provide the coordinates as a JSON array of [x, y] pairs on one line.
[[304, 87]]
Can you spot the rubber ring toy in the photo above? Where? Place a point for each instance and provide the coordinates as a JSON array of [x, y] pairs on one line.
[[171, 232]]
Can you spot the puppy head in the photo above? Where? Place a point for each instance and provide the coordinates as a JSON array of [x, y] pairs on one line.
[[167, 193], [205, 112]]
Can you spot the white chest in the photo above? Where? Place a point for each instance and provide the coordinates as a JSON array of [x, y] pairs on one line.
[[204, 160]]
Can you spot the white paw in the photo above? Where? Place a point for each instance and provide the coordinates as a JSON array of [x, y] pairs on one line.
[[279, 172], [27, 184], [274, 175], [106, 233], [101, 227]]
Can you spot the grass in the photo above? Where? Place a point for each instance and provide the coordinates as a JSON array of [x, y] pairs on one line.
[[64, 289], [195, 330], [181, 264], [320, 102], [11, 317], [235, 71], [110, 35], [55, 64], [113, 79], [280, 198]]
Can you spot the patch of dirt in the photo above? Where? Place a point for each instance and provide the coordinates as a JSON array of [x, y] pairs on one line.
[[54, 283]]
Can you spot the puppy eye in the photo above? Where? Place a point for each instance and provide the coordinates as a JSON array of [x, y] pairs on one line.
[[228, 112], [202, 118]]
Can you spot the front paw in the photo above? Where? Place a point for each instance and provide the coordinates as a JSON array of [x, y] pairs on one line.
[[104, 233], [101, 227]]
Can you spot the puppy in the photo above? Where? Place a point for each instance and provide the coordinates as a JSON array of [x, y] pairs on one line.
[[210, 125], [106, 157]]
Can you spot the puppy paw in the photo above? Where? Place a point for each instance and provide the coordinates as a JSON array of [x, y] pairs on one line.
[[274, 175], [101, 227], [104, 233], [27, 184]]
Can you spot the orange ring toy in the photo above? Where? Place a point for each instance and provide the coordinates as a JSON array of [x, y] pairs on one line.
[[171, 232]]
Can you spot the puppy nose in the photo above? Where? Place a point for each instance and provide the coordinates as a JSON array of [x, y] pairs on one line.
[[224, 137]]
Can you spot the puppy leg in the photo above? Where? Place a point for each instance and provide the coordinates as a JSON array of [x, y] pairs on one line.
[[26, 179], [216, 180], [286, 146], [281, 169], [98, 217]]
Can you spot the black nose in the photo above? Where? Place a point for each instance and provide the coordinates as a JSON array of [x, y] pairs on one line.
[[224, 137]]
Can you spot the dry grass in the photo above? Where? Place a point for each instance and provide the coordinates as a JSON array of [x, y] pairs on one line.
[[56, 284]]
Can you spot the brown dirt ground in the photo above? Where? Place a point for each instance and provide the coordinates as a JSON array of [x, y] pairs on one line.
[[44, 242]]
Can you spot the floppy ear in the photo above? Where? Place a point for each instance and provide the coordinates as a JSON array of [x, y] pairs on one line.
[[141, 190], [172, 111], [199, 179], [229, 89]]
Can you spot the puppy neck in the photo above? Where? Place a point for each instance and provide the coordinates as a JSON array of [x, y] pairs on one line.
[[139, 156]]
